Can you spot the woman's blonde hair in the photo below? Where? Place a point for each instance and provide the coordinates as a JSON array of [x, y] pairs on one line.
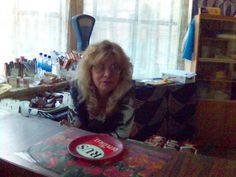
[[93, 55]]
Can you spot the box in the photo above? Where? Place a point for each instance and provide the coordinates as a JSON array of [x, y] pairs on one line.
[[179, 76], [209, 10]]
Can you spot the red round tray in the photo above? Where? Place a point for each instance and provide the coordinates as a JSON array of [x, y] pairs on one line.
[[95, 147]]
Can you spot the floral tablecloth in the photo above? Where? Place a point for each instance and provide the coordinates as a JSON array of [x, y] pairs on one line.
[[135, 161]]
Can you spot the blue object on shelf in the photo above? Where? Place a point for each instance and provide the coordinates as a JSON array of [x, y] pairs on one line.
[[189, 42]]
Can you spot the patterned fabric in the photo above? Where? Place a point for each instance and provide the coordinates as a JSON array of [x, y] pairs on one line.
[[118, 125], [53, 155], [167, 110], [57, 114]]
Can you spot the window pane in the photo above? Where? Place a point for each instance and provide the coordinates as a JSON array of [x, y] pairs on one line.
[[148, 30], [112, 8], [32, 26], [40, 6]]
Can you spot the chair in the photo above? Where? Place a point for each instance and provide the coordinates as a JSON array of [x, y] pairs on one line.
[[82, 26]]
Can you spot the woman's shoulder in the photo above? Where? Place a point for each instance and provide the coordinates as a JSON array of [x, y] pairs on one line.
[[73, 83], [73, 86], [74, 90], [128, 96], [131, 90]]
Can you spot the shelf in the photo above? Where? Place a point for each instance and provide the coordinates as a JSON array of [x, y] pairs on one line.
[[217, 18], [217, 80], [215, 65], [215, 39], [218, 60], [23, 93], [217, 100], [229, 37]]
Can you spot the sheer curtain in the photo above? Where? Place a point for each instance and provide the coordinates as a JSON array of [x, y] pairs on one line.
[[32, 26], [150, 31]]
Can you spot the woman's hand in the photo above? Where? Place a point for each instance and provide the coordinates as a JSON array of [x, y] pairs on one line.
[[66, 123], [73, 55]]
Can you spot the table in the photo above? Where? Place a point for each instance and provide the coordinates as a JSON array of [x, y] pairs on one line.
[[18, 134]]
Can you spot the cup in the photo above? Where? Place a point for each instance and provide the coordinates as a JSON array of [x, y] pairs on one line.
[[26, 82], [24, 108], [13, 81]]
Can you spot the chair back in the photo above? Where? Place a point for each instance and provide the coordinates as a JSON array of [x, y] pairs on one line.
[[83, 26]]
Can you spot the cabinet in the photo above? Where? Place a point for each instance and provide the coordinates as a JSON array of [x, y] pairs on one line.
[[215, 65]]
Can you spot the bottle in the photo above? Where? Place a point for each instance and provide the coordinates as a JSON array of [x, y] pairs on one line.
[[54, 59], [39, 63], [44, 61], [49, 64], [55, 66], [39, 71]]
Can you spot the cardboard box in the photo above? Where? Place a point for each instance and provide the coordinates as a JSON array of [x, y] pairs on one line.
[[209, 10]]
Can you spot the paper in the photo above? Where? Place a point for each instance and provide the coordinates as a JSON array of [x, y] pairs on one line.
[[180, 73]]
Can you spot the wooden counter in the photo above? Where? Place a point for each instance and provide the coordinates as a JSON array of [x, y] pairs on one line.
[[18, 134], [26, 93]]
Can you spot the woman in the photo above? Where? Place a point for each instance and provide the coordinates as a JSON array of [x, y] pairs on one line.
[[102, 94]]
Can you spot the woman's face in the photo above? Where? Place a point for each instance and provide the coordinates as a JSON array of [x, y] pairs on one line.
[[106, 76]]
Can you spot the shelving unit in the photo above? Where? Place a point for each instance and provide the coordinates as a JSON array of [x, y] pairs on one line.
[[215, 65]]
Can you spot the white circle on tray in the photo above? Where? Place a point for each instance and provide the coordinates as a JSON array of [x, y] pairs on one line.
[[90, 151]]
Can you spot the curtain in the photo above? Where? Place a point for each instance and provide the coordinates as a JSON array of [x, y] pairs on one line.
[[150, 31], [32, 26], [195, 8], [75, 8]]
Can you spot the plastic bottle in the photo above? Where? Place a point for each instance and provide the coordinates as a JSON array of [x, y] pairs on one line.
[[39, 63], [39, 74], [49, 64], [44, 62], [55, 66], [56, 62]]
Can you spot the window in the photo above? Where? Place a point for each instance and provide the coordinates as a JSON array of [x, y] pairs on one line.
[[150, 31], [32, 26]]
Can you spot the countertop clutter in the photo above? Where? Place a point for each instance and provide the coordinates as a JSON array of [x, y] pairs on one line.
[[4, 88], [47, 72], [26, 93]]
